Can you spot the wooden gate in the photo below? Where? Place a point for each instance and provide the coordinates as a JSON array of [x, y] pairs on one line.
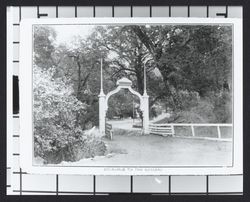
[[108, 131]]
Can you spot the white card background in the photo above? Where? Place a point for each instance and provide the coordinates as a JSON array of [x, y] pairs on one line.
[[19, 182]]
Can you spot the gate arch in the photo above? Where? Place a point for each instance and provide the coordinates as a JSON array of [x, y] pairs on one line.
[[123, 83]]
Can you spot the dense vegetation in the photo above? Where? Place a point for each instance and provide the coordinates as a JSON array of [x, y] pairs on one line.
[[189, 75]]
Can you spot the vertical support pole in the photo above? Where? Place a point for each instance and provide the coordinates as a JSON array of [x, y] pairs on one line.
[[145, 113], [145, 80], [192, 128], [133, 111], [102, 113], [219, 133], [101, 90], [145, 106]]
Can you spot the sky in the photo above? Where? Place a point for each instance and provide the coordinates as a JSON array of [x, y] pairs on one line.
[[66, 33]]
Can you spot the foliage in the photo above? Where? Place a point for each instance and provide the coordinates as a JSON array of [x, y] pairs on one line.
[[57, 135], [187, 99], [44, 47], [223, 107]]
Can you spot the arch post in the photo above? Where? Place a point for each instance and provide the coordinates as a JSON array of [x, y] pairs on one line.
[[145, 113], [102, 107], [102, 113]]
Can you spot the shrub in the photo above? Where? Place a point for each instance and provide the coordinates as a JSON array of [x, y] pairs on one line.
[[223, 107], [187, 117], [188, 99], [205, 110], [57, 134], [202, 112]]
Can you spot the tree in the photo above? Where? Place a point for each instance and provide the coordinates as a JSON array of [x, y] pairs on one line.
[[196, 58], [44, 47], [181, 58], [127, 55]]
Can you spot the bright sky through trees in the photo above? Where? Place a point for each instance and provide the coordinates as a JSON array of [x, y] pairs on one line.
[[65, 34]]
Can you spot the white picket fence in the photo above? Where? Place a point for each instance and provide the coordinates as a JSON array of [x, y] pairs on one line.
[[169, 129]]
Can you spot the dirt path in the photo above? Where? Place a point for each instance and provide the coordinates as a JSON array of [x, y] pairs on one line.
[[158, 150], [126, 124]]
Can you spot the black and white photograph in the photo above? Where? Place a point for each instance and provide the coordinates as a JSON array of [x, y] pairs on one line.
[[136, 94]]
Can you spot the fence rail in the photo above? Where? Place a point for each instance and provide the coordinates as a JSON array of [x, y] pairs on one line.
[[191, 124], [169, 129]]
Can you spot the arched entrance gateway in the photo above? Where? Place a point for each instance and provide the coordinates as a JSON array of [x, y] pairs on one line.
[[123, 83]]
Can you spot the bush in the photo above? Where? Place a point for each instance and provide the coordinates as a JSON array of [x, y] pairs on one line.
[[223, 107], [76, 151], [205, 110], [216, 107], [188, 99], [57, 134], [187, 117], [91, 116], [74, 148], [202, 112]]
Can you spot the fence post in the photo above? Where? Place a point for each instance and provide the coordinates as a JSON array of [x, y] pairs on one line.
[[172, 127], [219, 134], [192, 128]]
